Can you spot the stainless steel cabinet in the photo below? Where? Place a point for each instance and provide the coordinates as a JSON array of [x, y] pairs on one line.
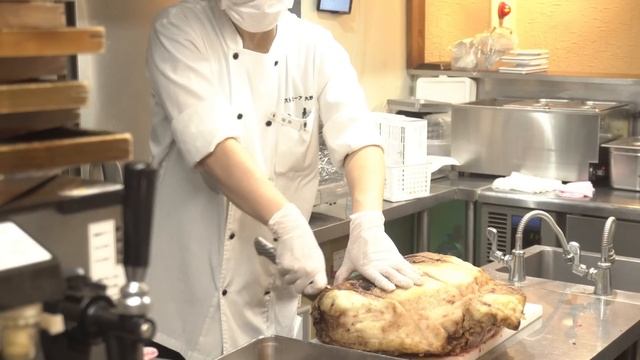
[[505, 220], [588, 232]]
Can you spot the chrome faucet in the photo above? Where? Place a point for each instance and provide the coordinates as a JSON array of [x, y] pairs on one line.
[[601, 274], [515, 261]]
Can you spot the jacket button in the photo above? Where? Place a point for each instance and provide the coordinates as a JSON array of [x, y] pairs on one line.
[[224, 292], [268, 123], [239, 116], [236, 56], [275, 63], [232, 236]]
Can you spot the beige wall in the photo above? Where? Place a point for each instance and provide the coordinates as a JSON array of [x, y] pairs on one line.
[[374, 35], [447, 21], [582, 36]]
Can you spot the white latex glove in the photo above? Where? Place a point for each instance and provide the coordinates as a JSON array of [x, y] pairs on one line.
[[299, 258], [374, 255]]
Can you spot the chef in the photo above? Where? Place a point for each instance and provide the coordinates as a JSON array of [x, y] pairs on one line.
[[241, 89]]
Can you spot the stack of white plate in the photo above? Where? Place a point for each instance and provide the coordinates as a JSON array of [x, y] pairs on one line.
[[525, 61]]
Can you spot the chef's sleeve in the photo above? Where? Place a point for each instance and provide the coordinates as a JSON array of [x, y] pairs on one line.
[[188, 87], [348, 125]]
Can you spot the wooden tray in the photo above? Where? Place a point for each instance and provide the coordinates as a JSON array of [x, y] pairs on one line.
[[50, 42], [42, 96], [32, 15], [62, 147]]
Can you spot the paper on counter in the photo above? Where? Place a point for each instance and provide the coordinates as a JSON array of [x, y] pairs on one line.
[[526, 183], [534, 185], [436, 162]]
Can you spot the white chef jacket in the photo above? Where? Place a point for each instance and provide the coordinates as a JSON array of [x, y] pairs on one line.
[[211, 291]]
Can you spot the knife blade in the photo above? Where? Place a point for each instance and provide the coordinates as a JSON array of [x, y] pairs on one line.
[[265, 249]]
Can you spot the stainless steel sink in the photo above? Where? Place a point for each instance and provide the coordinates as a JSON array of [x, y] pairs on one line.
[[547, 263]]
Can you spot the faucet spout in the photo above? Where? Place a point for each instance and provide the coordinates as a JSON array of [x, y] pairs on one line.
[[607, 253], [556, 229], [602, 273]]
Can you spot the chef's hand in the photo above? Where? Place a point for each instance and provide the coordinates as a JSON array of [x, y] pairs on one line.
[[374, 255], [299, 258]]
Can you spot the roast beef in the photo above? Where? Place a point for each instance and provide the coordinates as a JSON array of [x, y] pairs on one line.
[[458, 307]]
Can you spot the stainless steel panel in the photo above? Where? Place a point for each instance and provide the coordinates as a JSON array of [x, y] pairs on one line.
[[502, 218], [283, 348], [622, 88], [628, 143], [490, 138], [587, 231], [564, 104], [548, 263], [605, 202]]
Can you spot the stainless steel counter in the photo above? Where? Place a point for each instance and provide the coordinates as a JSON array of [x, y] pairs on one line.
[[606, 202], [574, 324], [327, 226], [624, 205]]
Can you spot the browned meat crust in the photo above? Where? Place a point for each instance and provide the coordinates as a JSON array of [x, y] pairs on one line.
[[458, 308]]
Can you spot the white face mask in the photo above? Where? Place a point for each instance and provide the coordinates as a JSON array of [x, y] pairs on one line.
[[255, 15]]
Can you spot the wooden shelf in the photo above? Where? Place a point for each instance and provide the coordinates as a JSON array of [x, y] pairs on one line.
[[31, 68], [55, 191], [50, 42], [32, 15], [27, 1], [62, 147], [42, 96], [12, 125]]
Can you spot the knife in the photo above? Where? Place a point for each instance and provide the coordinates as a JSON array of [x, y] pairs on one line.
[[267, 250]]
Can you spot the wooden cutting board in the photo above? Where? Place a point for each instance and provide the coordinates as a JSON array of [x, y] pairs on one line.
[[532, 312], [50, 42]]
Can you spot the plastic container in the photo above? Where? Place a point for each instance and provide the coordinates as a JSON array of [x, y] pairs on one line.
[[454, 90], [404, 139], [407, 182]]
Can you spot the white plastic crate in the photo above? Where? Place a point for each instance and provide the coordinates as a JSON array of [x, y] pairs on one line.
[[404, 139], [407, 182]]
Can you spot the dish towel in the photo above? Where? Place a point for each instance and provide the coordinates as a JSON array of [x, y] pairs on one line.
[[535, 185]]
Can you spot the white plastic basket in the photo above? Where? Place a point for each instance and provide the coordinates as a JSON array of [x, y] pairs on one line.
[[404, 139], [407, 182]]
